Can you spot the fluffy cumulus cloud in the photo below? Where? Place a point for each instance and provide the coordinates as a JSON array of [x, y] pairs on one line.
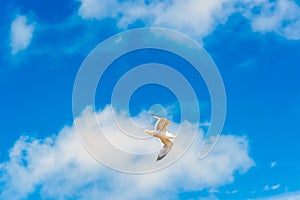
[[195, 17], [21, 34], [282, 17], [199, 18], [60, 167]]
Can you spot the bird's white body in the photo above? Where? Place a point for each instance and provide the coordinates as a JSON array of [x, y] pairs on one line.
[[160, 132]]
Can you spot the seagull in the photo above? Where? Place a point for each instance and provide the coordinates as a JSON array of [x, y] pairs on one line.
[[161, 133]]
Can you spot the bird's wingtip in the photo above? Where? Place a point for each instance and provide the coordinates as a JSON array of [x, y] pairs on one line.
[[160, 157]]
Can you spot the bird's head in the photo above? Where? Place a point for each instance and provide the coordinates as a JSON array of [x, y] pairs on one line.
[[168, 122]]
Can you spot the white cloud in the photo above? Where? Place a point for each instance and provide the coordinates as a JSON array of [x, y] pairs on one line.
[[282, 17], [274, 187], [21, 34], [273, 164], [194, 17], [266, 188], [231, 192], [98, 9], [199, 18], [59, 167], [284, 196]]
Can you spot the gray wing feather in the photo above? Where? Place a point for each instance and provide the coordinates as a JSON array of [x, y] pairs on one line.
[[165, 150]]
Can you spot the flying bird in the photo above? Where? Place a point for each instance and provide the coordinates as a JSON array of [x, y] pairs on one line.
[[160, 132]]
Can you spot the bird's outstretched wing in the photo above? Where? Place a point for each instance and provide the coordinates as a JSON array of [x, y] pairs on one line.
[[165, 150], [155, 116], [161, 124]]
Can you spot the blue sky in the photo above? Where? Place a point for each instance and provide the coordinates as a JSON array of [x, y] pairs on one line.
[[254, 44]]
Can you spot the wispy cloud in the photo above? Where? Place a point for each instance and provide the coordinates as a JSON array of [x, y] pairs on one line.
[[59, 167], [231, 192], [284, 196], [21, 34], [274, 187]]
